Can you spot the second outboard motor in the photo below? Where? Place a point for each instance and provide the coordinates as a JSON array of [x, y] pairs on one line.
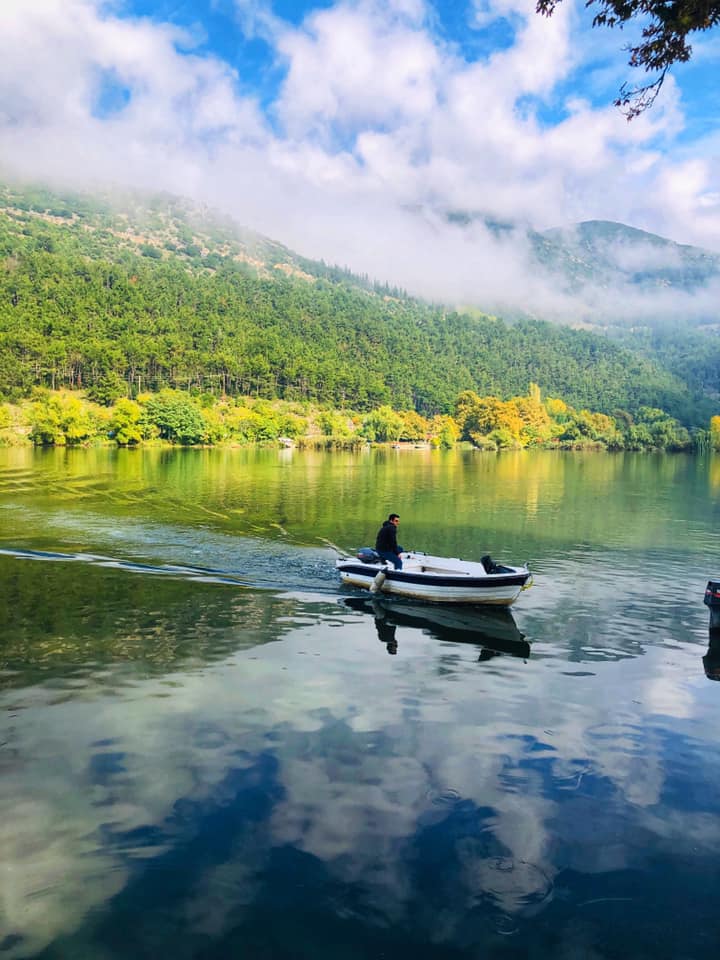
[[368, 555]]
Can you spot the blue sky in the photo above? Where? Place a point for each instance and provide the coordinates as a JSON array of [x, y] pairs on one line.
[[348, 128]]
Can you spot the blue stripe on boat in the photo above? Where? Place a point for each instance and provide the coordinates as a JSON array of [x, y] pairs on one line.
[[400, 576]]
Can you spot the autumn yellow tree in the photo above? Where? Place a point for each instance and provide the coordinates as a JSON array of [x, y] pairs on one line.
[[443, 431], [536, 423], [715, 432], [415, 427]]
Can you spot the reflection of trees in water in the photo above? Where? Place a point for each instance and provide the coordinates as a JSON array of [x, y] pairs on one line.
[[55, 614]]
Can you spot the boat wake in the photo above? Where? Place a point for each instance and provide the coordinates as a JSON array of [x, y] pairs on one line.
[[260, 573], [177, 571]]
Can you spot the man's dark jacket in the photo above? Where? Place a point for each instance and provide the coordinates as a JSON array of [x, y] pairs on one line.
[[386, 540]]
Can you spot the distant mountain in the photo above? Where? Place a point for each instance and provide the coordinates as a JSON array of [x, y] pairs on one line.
[[606, 254], [613, 271], [658, 298]]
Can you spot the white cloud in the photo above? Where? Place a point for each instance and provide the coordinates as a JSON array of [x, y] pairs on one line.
[[376, 116], [690, 190], [540, 56], [485, 12], [357, 67]]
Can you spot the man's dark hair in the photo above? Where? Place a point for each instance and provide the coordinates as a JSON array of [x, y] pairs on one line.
[[394, 516]]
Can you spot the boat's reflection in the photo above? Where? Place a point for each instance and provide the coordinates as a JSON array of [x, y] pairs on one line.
[[493, 630]]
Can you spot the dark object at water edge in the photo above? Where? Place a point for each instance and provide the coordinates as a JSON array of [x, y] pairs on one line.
[[712, 600]]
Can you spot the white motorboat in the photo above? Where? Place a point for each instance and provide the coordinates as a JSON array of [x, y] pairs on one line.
[[437, 579]]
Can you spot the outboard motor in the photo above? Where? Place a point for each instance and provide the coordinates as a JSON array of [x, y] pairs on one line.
[[368, 555], [492, 567]]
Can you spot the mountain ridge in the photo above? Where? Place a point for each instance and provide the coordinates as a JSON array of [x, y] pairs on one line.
[[609, 248]]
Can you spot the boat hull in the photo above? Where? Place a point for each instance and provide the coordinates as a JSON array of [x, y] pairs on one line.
[[423, 578]]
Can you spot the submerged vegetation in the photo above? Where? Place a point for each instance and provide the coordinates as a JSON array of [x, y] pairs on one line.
[[67, 418]]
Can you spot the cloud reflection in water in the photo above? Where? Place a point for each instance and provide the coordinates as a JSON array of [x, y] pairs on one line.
[[316, 791]]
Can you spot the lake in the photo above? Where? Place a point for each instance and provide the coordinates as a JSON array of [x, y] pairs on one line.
[[209, 749]]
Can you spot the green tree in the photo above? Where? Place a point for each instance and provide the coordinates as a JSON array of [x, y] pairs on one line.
[[125, 423], [291, 425], [503, 439], [60, 419], [88, 312], [334, 424], [382, 425], [244, 424], [176, 416], [639, 438], [216, 427], [108, 388], [268, 420]]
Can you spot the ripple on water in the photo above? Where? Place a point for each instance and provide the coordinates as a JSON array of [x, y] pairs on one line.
[[506, 926], [620, 737], [443, 798], [514, 887]]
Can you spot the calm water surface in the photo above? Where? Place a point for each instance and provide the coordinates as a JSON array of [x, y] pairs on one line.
[[208, 749]]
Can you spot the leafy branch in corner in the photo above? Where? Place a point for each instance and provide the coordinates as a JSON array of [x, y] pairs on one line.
[[667, 26]]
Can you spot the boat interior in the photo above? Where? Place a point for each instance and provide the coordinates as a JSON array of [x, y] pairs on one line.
[[440, 566], [420, 563]]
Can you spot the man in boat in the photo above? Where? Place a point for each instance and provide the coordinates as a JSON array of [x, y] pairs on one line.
[[386, 541]]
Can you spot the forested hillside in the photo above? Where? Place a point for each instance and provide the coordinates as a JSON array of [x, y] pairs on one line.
[[159, 297]]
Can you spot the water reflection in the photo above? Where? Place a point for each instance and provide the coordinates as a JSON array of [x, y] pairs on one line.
[[711, 660], [379, 805], [174, 783], [494, 631], [64, 625]]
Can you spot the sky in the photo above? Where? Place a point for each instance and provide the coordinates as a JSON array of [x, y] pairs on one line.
[[348, 130]]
